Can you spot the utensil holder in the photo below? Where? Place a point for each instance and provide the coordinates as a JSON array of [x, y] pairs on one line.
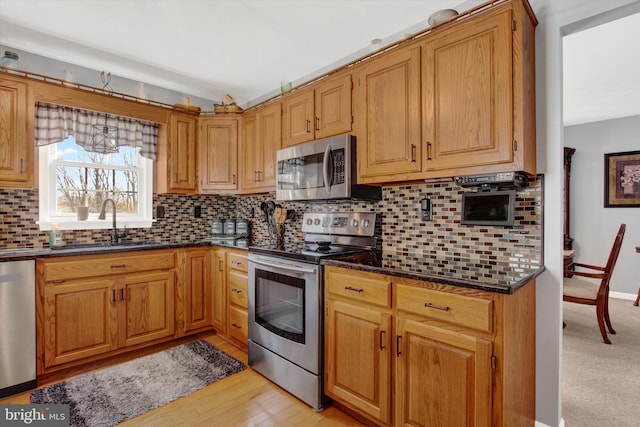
[[276, 235]]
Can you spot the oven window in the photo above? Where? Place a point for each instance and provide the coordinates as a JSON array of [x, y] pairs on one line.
[[279, 304]]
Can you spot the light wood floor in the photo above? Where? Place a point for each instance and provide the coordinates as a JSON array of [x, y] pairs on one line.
[[243, 399]]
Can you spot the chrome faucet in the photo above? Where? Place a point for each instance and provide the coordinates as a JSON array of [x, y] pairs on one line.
[[103, 214]]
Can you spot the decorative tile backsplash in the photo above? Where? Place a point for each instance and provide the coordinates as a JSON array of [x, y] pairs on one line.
[[399, 227]]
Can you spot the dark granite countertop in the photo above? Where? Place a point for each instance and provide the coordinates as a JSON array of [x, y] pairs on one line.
[[494, 276], [101, 248]]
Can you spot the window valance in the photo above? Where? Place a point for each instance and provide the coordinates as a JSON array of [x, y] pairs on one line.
[[55, 123]]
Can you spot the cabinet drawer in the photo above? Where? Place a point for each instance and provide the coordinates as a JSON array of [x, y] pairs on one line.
[[238, 261], [237, 283], [238, 324], [360, 286], [105, 265], [462, 310]]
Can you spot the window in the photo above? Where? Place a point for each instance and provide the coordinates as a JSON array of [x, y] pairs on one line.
[[72, 176]]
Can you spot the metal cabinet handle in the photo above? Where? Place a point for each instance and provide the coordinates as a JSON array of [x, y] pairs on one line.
[[437, 307], [382, 347], [428, 150], [317, 123], [308, 125], [413, 153], [235, 325], [21, 166], [233, 179], [113, 295], [398, 352], [349, 288], [220, 265], [119, 266]]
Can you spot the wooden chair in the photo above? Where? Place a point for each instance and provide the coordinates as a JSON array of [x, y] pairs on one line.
[[587, 292]]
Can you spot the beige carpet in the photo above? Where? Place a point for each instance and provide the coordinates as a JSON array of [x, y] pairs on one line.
[[600, 382]]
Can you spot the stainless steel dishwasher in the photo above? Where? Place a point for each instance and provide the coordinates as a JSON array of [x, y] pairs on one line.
[[17, 327]]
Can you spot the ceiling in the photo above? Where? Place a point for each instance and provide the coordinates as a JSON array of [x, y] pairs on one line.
[[207, 48], [600, 72]]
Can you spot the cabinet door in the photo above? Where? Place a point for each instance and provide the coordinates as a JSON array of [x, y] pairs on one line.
[[468, 95], [182, 153], [197, 290], [270, 136], [298, 118], [443, 378], [261, 139], [388, 117], [218, 145], [80, 319], [16, 135], [357, 358], [252, 152], [146, 307], [238, 326], [219, 290], [333, 107]]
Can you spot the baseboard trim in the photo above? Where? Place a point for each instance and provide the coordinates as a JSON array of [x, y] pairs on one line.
[[623, 295], [539, 424]]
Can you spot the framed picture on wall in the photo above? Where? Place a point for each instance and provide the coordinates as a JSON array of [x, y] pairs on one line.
[[622, 180]]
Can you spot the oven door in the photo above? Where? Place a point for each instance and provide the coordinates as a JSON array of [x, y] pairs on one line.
[[284, 309]]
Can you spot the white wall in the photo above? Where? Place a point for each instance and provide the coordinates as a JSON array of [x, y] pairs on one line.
[[556, 18], [593, 226]]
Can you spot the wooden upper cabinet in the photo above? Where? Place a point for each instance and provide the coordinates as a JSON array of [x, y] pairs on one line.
[[318, 112], [261, 139], [467, 94], [333, 114], [218, 155], [298, 118], [16, 134], [177, 173], [387, 116]]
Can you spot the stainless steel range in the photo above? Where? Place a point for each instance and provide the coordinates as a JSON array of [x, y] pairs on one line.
[[286, 300]]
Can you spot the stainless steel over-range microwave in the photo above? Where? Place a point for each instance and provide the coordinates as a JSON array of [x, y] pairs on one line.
[[322, 170]]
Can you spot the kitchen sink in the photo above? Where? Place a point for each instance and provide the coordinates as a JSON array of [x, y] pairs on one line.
[[105, 246]]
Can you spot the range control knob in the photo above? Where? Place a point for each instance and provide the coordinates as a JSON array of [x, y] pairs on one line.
[[309, 221], [316, 221], [354, 223], [365, 223]]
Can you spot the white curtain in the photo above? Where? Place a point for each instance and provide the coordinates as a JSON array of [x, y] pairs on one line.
[[55, 123]]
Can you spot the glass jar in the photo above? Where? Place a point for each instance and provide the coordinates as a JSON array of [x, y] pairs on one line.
[[10, 60]]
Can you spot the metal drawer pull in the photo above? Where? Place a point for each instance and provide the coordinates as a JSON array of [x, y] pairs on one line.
[[236, 290], [437, 307], [235, 325], [119, 266], [349, 288], [382, 347]]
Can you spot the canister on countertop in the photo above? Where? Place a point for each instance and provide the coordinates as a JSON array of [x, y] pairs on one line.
[[230, 226], [242, 227], [217, 227]]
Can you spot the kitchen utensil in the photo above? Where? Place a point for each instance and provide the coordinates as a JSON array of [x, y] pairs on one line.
[[264, 209], [271, 207], [291, 213]]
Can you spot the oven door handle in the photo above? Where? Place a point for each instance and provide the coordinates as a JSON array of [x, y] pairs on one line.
[[286, 267]]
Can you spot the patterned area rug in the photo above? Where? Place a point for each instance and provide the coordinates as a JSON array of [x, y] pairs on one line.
[[112, 395]]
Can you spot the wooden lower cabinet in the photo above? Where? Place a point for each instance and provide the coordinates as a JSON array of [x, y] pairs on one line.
[[358, 354], [83, 315], [196, 289], [443, 378], [230, 295], [405, 352]]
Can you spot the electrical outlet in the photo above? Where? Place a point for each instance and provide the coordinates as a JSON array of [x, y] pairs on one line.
[[197, 212], [159, 211]]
